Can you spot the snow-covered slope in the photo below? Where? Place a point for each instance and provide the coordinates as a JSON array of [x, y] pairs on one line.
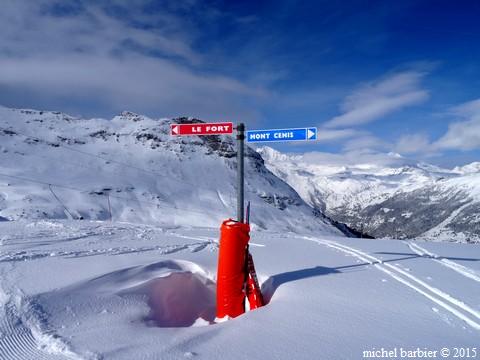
[[143, 285], [405, 200], [102, 290], [129, 168]]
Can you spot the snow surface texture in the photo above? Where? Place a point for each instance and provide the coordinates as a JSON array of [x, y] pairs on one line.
[[130, 169], [405, 200], [111, 290]]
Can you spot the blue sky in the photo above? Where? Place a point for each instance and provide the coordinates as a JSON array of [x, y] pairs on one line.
[[376, 77]]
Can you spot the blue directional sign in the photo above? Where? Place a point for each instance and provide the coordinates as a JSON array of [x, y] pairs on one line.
[[301, 134]]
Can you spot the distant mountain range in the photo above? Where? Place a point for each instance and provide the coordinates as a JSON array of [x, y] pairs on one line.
[[406, 200]]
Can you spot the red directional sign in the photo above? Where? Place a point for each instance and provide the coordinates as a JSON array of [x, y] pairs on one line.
[[201, 129]]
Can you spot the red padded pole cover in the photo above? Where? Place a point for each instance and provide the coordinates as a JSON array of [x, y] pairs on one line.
[[234, 237]]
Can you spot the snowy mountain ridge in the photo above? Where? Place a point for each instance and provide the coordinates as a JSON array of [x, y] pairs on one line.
[[471, 168], [130, 169], [405, 199]]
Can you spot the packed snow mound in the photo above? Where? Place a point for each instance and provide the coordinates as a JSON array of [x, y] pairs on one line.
[[129, 168], [180, 300], [404, 199], [177, 293]]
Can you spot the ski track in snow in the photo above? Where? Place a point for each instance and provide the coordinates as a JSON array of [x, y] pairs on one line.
[[17, 340], [448, 302], [164, 250], [462, 270], [222, 200], [205, 239], [209, 241], [20, 340]]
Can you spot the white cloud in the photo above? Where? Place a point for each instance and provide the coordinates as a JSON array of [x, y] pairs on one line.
[[463, 135], [79, 59], [366, 149], [356, 158], [30, 29], [329, 135], [365, 142], [468, 109], [379, 98], [413, 143], [129, 83]]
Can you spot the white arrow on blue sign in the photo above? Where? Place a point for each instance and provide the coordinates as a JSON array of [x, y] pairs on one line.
[[300, 134]]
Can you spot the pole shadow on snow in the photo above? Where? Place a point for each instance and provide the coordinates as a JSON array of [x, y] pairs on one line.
[[274, 282]]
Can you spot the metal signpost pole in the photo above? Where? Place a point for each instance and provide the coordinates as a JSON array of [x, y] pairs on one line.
[[240, 171]]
